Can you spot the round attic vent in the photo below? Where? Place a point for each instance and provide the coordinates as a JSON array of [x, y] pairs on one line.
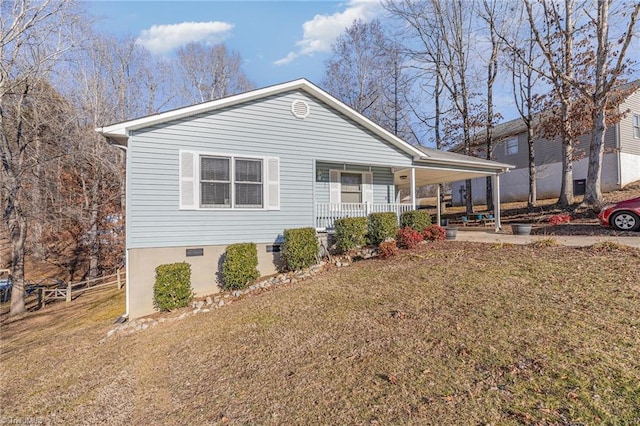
[[300, 109]]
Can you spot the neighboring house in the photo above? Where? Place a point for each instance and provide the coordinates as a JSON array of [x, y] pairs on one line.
[[620, 165], [247, 167]]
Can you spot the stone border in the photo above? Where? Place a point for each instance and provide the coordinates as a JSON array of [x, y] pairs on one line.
[[218, 300]]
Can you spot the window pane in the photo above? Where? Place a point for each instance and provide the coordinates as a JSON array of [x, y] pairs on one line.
[[351, 182], [248, 171], [215, 194], [350, 197], [248, 195], [213, 168]]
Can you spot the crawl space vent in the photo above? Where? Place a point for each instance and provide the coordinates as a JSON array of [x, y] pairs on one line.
[[300, 109]]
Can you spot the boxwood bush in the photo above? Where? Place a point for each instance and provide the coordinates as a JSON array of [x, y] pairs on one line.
[[416, 219], [172, 289], [351, 233], [300, 248], [240, 266], [382, 226]]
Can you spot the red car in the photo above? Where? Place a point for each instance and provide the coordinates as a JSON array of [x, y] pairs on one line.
[[623, 216]]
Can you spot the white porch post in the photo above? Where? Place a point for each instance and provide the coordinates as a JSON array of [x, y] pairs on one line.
[[438, 220], [413, 188], [496, 201]]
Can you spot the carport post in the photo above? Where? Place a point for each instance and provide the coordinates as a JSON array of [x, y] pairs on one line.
[[413, 188], [438, 220], [496, 201]]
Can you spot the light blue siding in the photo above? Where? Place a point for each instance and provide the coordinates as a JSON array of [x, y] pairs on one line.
[[260, 128]]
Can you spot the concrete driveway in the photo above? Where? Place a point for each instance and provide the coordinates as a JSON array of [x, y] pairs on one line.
[[489, 236]]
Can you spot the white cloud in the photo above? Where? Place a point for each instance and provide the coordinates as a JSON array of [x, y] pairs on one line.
[[321, 31], [164, 38]]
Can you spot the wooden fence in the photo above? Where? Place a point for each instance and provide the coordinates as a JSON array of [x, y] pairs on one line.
[[73, 289]]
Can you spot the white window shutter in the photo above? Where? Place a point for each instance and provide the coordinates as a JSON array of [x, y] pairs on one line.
[[273, 183], [188, 190], [334, 186], [367, 187]]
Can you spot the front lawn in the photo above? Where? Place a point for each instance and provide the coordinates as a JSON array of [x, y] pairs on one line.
[[453, 333]]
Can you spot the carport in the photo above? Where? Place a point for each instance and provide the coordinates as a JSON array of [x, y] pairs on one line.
[[436, 167]]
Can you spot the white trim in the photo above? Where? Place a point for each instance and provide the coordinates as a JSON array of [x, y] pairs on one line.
[[232, 158]]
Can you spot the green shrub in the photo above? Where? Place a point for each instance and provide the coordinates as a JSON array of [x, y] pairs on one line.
[[382, 226], [300, 248], [240, 266], [351, 233], [416, 219], [172, 289]]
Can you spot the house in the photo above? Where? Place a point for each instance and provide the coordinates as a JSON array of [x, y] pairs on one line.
[[246, 167], [620, 164]]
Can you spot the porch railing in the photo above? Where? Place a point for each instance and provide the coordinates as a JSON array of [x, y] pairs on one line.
[[327, 213]]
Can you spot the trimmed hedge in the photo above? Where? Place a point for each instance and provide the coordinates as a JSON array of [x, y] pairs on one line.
[[382, 226], [240, 266], [172, 289], [351, 233], [300, 248], [416, 219]]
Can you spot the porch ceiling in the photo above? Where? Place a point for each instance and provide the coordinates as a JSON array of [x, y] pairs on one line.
[[433, 175]]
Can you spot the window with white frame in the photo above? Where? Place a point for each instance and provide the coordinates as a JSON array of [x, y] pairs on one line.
[[228, 182], [636, 126], [511, 146], [218, 189], [351, 187]]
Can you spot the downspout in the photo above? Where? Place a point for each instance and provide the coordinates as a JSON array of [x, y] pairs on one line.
[[619, 155], [126, 250]]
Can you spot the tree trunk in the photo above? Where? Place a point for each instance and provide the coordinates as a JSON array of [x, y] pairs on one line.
[[566, 189], [94, 243], [17, 237], [593, 193], [533, 197]]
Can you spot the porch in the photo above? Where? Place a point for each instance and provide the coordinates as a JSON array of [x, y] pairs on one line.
[[327, 213]]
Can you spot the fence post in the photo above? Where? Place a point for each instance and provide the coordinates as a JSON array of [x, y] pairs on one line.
[[119, 280], [40, 297], [69, 291]]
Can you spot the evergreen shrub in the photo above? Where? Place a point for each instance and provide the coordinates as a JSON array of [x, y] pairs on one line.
[[351, 233], [240, 266], [300, 248], [172, 289]]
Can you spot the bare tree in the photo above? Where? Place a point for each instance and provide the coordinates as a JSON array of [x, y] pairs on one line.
[[524, 59], [601, 66], [554, 30], [611, 63], [211, 72], [443, 31], [366, 72], [34, 37], [493, 13]]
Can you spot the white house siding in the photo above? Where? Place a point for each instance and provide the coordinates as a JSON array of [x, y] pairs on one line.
[[261, 128], [629, 168]]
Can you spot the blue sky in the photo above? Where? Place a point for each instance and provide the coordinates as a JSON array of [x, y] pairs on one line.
[[277, 40]]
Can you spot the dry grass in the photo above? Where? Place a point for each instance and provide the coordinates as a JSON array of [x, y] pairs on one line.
[[456, 333]]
